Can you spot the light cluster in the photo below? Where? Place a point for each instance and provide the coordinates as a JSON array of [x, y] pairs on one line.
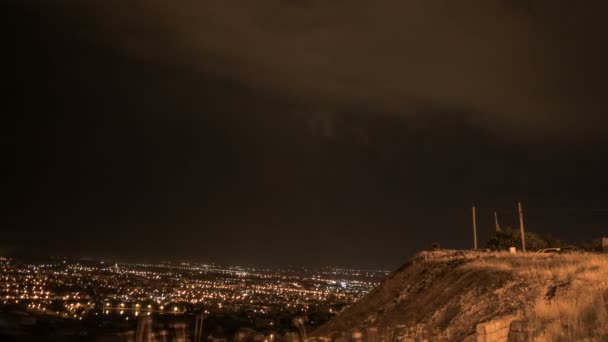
[[73, 289]]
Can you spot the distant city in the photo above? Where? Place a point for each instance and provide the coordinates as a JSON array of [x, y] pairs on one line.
[[109, 297]]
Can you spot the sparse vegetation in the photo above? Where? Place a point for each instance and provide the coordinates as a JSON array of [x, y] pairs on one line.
[[572, 302], [501, 241], [563, 297]]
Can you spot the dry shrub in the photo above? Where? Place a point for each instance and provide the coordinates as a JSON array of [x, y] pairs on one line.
[[580, 318], [576, 309]]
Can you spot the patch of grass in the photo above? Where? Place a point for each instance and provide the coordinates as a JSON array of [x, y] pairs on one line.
[[583, 317], [576, 309]]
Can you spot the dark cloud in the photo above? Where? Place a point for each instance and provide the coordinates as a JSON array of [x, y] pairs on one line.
[[302, 131], [534, 68]]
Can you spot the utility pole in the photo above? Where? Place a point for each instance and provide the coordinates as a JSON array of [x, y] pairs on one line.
[[521, 227], [474, 228], [496, 222]]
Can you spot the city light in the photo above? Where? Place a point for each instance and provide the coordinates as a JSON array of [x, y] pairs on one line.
[[123, 289]]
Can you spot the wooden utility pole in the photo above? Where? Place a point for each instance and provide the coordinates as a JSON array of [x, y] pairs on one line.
[[474, 228], [496, 222], [521, 227]]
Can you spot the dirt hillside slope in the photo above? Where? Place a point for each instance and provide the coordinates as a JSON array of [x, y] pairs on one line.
[[443, 295]]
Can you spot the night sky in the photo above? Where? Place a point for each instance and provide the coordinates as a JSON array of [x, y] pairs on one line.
[[298, 131]]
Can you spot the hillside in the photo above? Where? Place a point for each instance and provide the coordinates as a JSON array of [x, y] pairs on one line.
[[443, 295]]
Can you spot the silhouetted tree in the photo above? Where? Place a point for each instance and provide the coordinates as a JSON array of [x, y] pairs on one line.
[[510, 237]]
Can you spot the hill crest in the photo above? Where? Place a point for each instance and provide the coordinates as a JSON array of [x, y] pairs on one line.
[[443, 295]]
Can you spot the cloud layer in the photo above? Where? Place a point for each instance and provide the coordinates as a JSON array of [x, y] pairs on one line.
[[515, 66]]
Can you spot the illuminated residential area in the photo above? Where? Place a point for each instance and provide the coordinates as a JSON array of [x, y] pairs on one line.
[[116, 294]]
